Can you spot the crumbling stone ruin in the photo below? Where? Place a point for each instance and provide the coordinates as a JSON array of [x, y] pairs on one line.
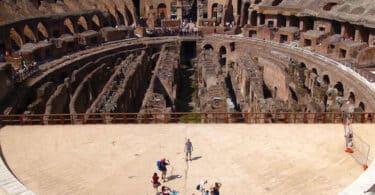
[[69, 57]]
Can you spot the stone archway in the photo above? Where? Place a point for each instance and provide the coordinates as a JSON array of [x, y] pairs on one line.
[[245, 14], [340, 88], [162, 11], [208, 46]]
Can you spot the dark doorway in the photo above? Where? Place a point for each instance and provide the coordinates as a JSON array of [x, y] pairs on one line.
[[253, 18], [137, 7], [342, 53], [293, 94], [245, 13], [223, 56], [187, 89], [283, 38], [307, 42], [340, 88]]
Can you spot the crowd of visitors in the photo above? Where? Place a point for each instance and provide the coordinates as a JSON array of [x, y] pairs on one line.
[[26, 70], [203, 188]]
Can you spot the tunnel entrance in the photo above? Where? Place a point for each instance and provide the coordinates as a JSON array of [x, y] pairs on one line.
[[187, 90]]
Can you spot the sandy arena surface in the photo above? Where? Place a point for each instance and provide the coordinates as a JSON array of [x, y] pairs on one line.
[[120, 159]]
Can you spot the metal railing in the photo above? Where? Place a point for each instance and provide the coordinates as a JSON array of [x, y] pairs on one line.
[[194, 117]]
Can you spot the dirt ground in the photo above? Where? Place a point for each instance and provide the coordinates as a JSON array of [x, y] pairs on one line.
[[120, 159]]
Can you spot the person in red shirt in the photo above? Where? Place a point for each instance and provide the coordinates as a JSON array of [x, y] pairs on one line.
[[155, 181]]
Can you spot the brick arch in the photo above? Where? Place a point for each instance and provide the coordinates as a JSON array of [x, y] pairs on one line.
[[42, 31], [120, 18], [82, 24], [69, 25], [129, 16], [16, 39], [326, 79], [29, 34], [245, 12]]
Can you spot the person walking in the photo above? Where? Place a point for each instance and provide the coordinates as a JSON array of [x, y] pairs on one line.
[[155, 182], [162, 166], [188, 149]]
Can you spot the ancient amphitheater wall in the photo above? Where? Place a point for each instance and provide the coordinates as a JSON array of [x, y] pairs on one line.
[[59, 100], [135, 85], [275, 78]]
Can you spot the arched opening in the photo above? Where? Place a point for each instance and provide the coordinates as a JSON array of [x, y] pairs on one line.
[[137, 7], [229, 17], [68, 26], [111, 21], [56, 33], [29, 34], [239, 7], [96, 23], [16, 40], [262, 19], [293, 94], [245, 13], [266, 92], [351, 98], [275, 92], [162, 11], [326, 80], [216, 10], [276, 2], [208, 47], [257, 1], [294, 21], [340, 88], [302, 65], [120, 18], [129, 16], [253, 18], [362, 106], [82, 24], [314, 71], [42, 31], [223, 56]]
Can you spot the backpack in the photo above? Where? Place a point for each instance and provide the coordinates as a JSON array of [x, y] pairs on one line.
[[158, 164], [198, 187]]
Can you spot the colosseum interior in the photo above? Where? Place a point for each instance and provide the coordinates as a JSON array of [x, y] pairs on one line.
[[152, 59]]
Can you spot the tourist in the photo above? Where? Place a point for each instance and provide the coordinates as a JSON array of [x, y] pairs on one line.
[[155, 181], [162, 166], [188, 149], [165, 190], [216, 188], [202, 186], [348, 135]]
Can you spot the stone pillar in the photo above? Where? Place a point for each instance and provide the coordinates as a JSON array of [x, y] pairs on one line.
[[357, 35], [302, 24], [287, 21], [179, 9], [258, 20], [343, 31]]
